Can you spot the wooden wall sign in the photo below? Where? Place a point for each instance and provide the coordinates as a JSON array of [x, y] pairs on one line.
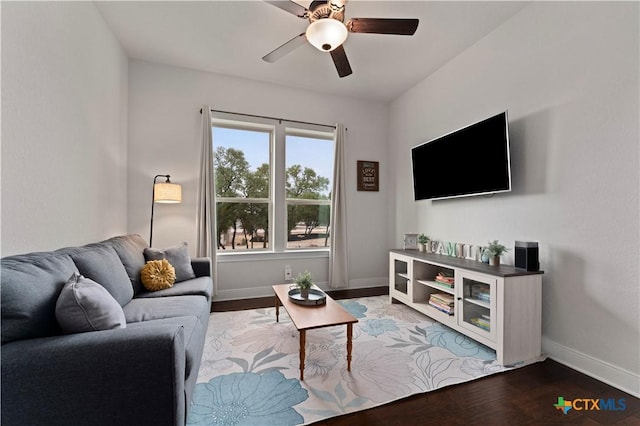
[[368, 176]]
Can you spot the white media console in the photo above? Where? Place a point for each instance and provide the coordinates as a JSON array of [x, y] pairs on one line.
[[498, 306]]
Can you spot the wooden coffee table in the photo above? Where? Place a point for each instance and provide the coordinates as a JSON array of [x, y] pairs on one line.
[[308, 317]]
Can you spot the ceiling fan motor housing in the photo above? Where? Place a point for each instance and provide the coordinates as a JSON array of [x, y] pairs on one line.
[[323, 9]]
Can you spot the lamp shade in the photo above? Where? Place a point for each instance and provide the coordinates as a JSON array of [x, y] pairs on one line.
[[167, 192], [326, 34]]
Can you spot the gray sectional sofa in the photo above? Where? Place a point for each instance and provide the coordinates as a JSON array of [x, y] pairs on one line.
[[141, 373]]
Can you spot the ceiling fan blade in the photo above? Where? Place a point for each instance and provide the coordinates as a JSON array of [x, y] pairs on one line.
[[382, 26], [284, 49], [341, 62], [291, 7]]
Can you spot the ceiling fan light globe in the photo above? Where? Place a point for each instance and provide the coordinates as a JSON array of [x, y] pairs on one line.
[[326, 34]]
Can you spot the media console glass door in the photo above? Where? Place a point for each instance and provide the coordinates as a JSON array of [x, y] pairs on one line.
[[401, 278], [477, 304]]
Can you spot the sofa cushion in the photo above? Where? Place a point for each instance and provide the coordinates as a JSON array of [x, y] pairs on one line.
[[84, 305], [130, 249], [145, 309], [30, 287], [198, 286], [178, 256], [100, 263], [158, 275]]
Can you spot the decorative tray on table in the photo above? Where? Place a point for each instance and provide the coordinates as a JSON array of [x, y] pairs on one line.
[[316, 297]]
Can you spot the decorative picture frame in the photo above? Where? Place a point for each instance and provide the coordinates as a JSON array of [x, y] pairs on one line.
[[410, 242], [368, 174]]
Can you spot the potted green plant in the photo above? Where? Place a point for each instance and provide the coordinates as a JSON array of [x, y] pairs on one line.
[[304, 283], [495, 250], [423, 240]]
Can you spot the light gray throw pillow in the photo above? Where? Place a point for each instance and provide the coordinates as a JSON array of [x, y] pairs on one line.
[[177, 256], [100, 263], [84, 305]]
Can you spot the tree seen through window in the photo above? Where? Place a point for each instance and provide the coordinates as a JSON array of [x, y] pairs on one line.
[[243, 180]]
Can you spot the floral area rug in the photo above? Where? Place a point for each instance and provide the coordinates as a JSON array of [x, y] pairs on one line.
[[250, 368]]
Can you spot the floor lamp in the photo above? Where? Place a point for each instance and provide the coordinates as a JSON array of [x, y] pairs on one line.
[[163, 192]]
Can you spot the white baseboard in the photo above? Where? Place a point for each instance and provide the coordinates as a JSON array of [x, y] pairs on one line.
[[610, 374], [250, 293], [369, 282]]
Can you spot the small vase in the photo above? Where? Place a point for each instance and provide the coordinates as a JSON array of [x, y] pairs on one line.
[[494, 260], [422, 247], [304, 293]]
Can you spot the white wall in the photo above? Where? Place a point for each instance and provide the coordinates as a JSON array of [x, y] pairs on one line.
[[64, 117], [164, 138], [568, 75]]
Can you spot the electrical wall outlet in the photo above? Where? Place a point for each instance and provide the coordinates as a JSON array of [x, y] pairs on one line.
[[287, 273]]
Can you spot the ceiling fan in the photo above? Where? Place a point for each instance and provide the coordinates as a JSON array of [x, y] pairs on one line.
[[327, 30]]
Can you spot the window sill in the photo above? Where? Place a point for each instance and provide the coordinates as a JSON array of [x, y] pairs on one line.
[[270, 255]]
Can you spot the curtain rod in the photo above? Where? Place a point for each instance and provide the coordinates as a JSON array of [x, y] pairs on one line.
[[280, 120]]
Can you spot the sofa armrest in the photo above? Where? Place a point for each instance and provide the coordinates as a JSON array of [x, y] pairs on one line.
[[133, 375], [201, 266]]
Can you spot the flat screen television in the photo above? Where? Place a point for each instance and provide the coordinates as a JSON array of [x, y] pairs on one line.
[[473, 160]]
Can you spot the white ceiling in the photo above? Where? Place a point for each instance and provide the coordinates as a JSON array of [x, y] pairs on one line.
[[230, 37]]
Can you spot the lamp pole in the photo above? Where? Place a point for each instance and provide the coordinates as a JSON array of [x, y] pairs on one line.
[[153, 202]]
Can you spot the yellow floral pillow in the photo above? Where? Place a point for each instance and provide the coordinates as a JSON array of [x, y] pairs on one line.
[[158, 275]]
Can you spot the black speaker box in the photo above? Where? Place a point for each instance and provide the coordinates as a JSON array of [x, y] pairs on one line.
[[526, 256]]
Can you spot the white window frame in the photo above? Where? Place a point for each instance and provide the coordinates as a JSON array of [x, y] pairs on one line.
[[258, 127], [290, 131], [277, 188]]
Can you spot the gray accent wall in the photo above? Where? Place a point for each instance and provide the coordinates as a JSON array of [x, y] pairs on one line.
[[568, 74]]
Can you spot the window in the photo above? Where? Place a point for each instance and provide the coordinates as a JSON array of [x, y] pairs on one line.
[[242, 163], [309, 171], [273, 186]]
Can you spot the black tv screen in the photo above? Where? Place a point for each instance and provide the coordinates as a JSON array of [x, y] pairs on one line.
[[470, 161]]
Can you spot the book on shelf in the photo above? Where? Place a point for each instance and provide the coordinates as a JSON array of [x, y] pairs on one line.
[[481, 293], [483, 297], [444, 284], [442, 301], [442, 308], [444, 280], [444, 298], [440, 304], [481, 322]]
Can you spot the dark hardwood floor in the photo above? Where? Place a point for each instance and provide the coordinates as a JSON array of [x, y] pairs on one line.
[[525, 396]]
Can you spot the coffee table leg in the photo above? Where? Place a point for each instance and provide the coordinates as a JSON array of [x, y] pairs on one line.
[[277, 309], [349, 345], [303, 338]]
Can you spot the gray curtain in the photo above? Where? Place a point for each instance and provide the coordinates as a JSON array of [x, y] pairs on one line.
[[338, 265], [206, 238]]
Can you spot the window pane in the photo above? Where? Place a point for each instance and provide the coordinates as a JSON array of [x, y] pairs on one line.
[[309, 163], [242, 226], [308, 226], [241, 162]]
